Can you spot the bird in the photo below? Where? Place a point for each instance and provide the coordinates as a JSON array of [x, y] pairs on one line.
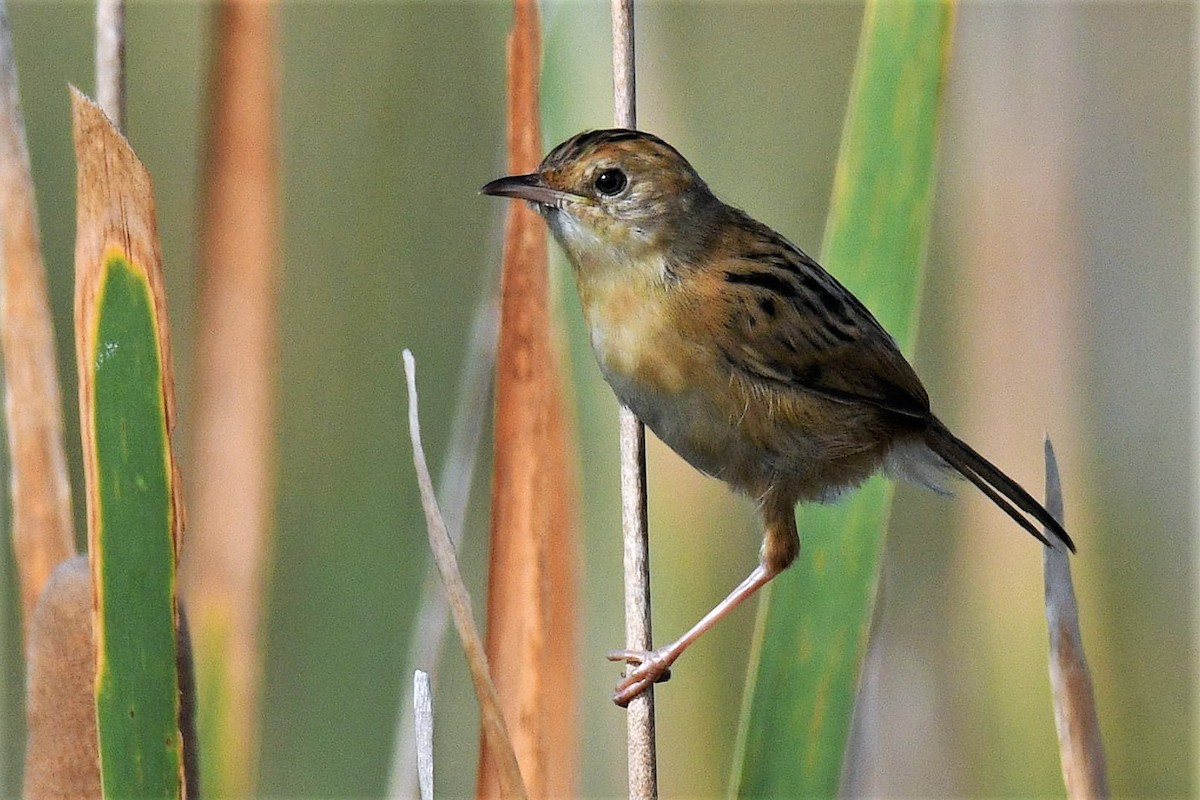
[[739, 351]]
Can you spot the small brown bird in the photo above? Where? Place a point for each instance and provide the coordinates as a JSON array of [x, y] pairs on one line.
[[738, 350]]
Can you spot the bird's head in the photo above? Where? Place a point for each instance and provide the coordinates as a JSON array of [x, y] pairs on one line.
[[616, 197]]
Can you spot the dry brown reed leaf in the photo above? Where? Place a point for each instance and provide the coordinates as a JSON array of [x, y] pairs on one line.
[[114, 210], [1081, 749], [42, 530], [531, 595], [232, 454]]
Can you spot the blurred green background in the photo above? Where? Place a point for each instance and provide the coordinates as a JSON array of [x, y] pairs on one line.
[[1060, 296]]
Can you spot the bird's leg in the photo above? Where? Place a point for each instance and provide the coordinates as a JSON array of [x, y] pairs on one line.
[[780, 546], [653, 665]]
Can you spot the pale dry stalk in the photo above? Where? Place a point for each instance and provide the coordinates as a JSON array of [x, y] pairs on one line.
[[110, 60], [642, 757], [495, 731]]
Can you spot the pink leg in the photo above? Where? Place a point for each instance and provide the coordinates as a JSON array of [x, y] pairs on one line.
[[653, 665]]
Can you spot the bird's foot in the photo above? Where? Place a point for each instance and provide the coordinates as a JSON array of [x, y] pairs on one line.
[[653, 666]]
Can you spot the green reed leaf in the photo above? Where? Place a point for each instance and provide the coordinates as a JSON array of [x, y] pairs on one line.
[[814, 621], [137, 693]]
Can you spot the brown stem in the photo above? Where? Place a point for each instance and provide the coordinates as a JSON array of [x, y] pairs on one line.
[[531, 567], [232, 453], [42, 529]]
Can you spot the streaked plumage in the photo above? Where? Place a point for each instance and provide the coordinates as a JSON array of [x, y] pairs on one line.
[[737, 349]]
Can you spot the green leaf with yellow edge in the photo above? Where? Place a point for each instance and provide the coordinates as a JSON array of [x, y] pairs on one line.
[[814, 620], [126, 414], [137, 689]]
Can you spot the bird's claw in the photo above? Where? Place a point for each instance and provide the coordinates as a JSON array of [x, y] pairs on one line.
[[653, 666]]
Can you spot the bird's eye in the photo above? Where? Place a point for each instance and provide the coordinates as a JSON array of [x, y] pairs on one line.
[[611, 182]]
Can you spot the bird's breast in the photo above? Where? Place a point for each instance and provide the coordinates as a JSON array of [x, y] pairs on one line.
[[666, 376], [636, 344]]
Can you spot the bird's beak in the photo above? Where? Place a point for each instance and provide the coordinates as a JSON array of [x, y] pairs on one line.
[[532, 188]]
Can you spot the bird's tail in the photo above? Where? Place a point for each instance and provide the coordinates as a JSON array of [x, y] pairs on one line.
[[1001, 489]]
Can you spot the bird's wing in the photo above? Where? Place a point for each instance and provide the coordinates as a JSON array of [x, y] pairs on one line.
[[796, 328]]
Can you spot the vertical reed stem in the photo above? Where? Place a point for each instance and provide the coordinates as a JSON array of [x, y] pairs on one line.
[[643, 778], [110, 60]]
